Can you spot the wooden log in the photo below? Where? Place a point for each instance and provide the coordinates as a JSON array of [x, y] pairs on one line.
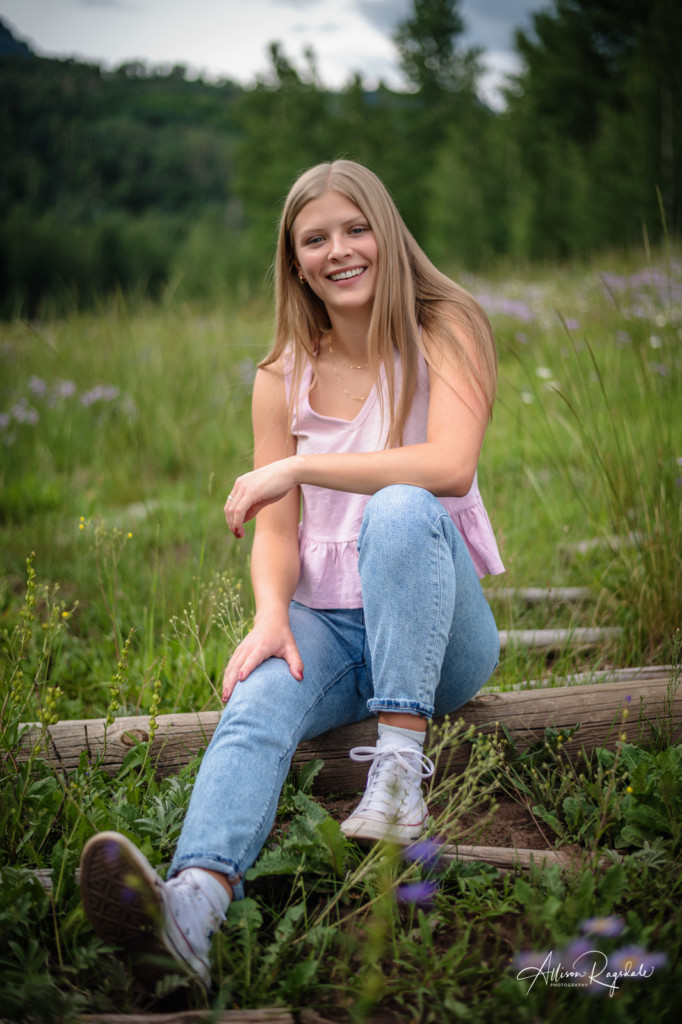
[[556, 639], [597, 708], [267, 1015], [539, 595], [655, 673], [506, 858], [179, 738], [570, 549]]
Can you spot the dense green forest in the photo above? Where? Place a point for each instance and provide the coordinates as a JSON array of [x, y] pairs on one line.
[[148, 180]]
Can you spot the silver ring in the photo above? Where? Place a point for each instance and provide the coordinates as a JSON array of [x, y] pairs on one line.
[[230, 498]]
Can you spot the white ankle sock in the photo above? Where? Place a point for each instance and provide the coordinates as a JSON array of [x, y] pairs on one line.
[[217, 896], [407, 734]]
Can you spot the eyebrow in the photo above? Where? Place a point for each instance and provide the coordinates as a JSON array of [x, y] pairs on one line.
[[350, 220]]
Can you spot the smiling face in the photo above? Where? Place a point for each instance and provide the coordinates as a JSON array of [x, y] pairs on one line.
[[336, 251]]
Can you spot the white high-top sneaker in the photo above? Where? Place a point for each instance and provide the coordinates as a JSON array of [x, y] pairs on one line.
[[392, 807], [129, 905]]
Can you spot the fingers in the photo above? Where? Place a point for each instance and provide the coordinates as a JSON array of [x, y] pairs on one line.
[[253, 491], [239, 510], [246, 658], [233, 517], [236, 670], [229, 683], [294, 660]]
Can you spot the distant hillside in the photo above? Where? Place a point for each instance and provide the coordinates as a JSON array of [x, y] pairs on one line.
[[138, 177], [11, 46]]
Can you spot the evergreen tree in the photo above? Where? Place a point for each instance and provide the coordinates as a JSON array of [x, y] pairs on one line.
[[286, 125], [602, 81]]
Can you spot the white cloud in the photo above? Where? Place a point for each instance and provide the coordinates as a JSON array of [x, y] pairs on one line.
[[230, 38]]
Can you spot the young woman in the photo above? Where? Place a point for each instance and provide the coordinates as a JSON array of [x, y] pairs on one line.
[[368, 415]]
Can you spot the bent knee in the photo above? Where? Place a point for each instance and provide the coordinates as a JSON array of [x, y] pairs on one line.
[[400, 503]]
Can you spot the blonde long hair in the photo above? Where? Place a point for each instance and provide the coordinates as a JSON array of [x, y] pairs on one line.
[[410, 293]]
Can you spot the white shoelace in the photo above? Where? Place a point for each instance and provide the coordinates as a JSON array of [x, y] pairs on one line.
[[425, 768], [389, 783]]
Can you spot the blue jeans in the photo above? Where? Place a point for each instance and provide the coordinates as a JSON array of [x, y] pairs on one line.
[[424, 642]]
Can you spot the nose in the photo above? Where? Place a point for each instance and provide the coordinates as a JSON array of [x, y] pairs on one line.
[[340, 246]]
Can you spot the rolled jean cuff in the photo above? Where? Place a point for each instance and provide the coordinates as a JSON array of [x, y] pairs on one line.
[[377, 705], [223, 867]]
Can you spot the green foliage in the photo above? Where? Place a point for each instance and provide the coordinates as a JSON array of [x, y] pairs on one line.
[[427, 45], [600, 79], [628, 798], [590, 394], [146, 181], [145, 624], [655, 790]]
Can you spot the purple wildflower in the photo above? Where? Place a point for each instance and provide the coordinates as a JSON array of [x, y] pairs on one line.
[[576, 949], [419, 893], [37, 386], [22, 412], [101, 393], [531, 959], [506, 306], [63, 389], [636, 961], [605, 926], [426, 852], [628, 699]]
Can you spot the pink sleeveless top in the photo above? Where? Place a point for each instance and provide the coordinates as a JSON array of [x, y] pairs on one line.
[[331, 520]]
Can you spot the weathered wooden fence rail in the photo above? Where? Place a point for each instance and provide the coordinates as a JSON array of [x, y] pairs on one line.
[[268, 1015], [556, 639], [596, 707]]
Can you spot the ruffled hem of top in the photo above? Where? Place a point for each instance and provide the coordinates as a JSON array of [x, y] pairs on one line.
[[477, 532], [329, 568], [329, 574]]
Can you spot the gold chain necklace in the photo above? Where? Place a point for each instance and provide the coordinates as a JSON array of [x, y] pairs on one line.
[[351, 366]]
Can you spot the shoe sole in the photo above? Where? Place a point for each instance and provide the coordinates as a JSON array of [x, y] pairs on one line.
[[378, 831], [122, 899]]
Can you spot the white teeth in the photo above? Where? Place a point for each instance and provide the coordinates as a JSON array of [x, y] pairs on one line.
[[345, 274]]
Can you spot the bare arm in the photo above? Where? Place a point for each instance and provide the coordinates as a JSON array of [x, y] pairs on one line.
[[275, 553], [444, 464]]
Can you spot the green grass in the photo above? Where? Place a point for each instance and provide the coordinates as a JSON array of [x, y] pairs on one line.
[[121, 432]]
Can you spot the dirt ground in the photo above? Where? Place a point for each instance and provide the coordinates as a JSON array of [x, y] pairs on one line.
[[511, 825]]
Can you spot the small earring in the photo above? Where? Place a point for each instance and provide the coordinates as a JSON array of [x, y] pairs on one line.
[[301, 279]]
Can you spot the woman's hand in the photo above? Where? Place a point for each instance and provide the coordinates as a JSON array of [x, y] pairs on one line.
[[271, 637], [255, 490]]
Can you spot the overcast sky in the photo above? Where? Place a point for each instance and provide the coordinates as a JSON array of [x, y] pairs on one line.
[[229, 38]]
